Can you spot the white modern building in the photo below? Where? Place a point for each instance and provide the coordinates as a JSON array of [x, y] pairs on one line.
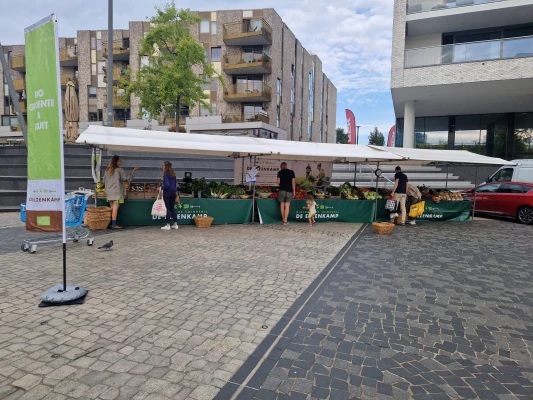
[[462, 75]]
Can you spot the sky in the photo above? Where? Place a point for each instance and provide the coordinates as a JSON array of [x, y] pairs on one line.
[[351, 37]]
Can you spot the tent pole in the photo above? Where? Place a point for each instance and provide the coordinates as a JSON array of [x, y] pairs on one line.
[[355, 174], [376, 201], [242, 174], [253, 195], [475, 192], [447, 172]]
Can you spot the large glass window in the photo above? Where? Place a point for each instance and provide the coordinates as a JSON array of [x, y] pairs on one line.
[[494, 129], [216, 54], [435, 135], [92, 91], [468, 134], [523, 136]]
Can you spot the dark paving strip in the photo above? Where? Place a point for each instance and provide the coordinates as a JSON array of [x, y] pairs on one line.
[[280, 333], [436, 311], [11, 239]]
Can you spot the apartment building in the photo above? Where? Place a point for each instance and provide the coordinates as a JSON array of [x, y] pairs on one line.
[[462, 75], [273, 86]]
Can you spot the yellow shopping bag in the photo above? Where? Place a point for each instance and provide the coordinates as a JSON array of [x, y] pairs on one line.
[[417, 209]]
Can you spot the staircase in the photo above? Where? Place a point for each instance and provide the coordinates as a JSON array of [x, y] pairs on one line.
[[13, 170], [434, 177]]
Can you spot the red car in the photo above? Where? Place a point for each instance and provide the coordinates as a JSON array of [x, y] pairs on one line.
[[507, 199]]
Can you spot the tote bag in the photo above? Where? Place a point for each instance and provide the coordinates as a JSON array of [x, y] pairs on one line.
[[390, 205], [159, 209], [417, 209]]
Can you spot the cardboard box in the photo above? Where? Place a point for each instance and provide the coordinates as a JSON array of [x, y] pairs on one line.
[[136, 191], [151, 190]]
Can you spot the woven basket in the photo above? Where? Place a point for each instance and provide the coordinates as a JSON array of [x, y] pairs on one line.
[[98, 224], [383, 228], [97, 210], [203, 222]]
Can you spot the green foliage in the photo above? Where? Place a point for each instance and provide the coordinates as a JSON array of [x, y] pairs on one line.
[[376, 137], [175, 58], [342, 137]]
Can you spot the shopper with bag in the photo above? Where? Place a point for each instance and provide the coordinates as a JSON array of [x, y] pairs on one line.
[[413, 197], [399, 192], [169, 194]]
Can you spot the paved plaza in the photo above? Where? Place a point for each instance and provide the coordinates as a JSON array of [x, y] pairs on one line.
[[436, 311]]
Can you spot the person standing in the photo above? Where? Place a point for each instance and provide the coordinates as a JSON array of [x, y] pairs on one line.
[[169, 195], [321, 175], [311, 206], [413, 196], [287, 187], [400, 191], [115, 189]]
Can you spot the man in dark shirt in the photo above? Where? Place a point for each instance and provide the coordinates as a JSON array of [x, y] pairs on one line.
[[400, 191], [287, 188]]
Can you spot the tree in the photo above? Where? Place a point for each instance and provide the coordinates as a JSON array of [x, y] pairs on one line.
[[342, 137], [376, 137], [175, 61]]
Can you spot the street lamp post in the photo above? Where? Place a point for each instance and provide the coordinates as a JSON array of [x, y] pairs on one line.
[[110, 63]]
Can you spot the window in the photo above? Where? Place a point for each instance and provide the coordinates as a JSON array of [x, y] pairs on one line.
[[251, 112], [505, 174], [99, 44], [214, 84], [526, 188], [279, 91], [93, 69], [204, 112], [492, 188], [204, 26], [216, 54], [92, 92], [431, 133], [516, 189], [213, 109], [206, 84], [523, 135], [93, 117], [93, 43], [207, 56], [100, 115], [277, 116], [213, 28], [468, 134]]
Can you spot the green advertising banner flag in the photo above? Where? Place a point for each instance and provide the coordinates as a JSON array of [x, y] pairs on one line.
[[46, 187], [328, 210], [224, 211]]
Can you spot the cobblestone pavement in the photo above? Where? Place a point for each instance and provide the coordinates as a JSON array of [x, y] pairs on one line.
[[10, 219], [437, 311], [169, 315]]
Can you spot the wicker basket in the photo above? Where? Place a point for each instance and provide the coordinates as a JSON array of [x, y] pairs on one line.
[[264, 195], [98, 218], [97, 210], [98, 224], [203, 222], [383, 228]]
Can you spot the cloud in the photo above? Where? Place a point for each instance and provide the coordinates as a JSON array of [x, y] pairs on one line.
[[352, 37]]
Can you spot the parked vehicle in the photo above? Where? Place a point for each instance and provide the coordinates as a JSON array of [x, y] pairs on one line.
[[508, 199], [523, 172]]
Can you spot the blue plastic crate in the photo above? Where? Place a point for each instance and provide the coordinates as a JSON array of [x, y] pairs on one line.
[[23, 212]]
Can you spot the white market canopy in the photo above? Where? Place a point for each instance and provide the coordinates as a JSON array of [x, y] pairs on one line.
[[427, 156], [122, 139], [138, 140]]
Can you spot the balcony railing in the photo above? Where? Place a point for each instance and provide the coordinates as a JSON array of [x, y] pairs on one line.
[[247, 32], [67, 77], [247, 63], [119, 101], [117, 74], [119, 124], [250, 91], [236, 118], [69, 53], [469, 52], [416, 6], [22, 105], [120, 48], [19, 84], [17, 63]]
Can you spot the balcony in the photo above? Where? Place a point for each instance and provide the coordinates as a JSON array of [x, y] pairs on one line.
[[18, 63], [470, 52], [119, 101], [19, 84], [249, 32], [121, 50], [119, 124], [68, 56], [247, 92], [23, 107], [68, 77], [238, 118], [252, 63], [118, 73], [416, 6]]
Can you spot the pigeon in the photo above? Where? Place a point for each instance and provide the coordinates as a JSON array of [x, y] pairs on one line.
[[106, 246]]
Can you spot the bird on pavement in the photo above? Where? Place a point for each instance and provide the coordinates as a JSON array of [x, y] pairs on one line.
[[106, 246]]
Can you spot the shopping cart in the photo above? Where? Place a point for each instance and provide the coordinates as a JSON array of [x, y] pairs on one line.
[[74, 212]]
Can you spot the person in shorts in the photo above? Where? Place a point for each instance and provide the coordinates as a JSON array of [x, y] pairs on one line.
[[413, 197], [287, 187], [400, 191]]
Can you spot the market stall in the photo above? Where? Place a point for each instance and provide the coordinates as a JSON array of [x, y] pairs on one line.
[[227, 205]]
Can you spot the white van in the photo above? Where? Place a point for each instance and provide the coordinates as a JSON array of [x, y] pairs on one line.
[[523, 172]]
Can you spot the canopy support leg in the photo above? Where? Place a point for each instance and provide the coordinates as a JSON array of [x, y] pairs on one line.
[[447, 173], [355, 174], [376, 201], [253, 194]]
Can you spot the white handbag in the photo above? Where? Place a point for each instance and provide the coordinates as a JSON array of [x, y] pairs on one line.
[[159, 209]]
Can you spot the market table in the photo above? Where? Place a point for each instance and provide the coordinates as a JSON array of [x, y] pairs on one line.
[[443, 211], [224, 211], [328, 210]]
